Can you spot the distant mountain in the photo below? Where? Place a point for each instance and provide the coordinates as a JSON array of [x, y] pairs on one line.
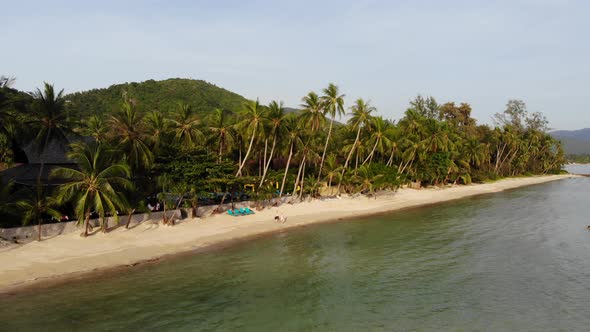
[[582, 134], [155, 95], [574, 141]]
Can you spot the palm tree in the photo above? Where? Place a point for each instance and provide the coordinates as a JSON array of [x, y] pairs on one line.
[[294, 133], [128, 129], [39, 204], [474, 152], [312, 114], [379, 136], [438, 136], [307, 154], [94, 127], [411, 151], [332, 170], [276, 118], [166, 183], [185, 124], [367, 179], [157, 129], [361, 117], [5, 196], [94, 185], [334, 105], [253, 122], [50, 121], [395, 137], [222, 129], [134, 204]]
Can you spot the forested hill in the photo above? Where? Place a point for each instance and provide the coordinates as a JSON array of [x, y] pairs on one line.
[[574, 141], [155, 95]]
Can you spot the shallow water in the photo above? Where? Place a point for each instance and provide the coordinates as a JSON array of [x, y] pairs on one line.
[[578, 168], [517, 260]]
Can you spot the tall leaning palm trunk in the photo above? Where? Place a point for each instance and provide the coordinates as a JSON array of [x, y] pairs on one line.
[[334, 103], [325, 148], [301, 166], [287, 167], [370, 156], [358, 135], [276, 117], [253, 118], [52, 124], [361, 116], [39, 190], [239, 172], [267, 165]]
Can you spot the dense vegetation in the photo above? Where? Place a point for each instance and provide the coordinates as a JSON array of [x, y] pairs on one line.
[[578, 158], [163, 95], [141, 146]]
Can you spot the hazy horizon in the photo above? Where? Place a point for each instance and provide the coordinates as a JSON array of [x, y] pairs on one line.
[[480, 53]]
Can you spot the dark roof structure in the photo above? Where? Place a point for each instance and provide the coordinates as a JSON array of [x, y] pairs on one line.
[[55, 153], [26, 174], [54, 156]]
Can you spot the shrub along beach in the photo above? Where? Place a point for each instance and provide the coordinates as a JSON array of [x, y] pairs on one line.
[[182, 143]]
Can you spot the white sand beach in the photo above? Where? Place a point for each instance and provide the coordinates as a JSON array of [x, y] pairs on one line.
[[70, 255]]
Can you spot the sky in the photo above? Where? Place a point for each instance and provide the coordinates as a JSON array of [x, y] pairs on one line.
[[480, 52]]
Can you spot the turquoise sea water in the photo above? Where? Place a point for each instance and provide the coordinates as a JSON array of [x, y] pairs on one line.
[[512, 261]]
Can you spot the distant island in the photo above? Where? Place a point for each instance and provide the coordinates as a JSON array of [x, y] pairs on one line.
[[576, 144]]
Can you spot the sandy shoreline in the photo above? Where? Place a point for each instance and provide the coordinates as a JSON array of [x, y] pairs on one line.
[[69, 255]]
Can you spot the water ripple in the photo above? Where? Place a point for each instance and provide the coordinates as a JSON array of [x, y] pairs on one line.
[[517, 260]]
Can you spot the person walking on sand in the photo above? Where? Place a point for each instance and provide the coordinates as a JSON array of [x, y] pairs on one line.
[[279, 217]]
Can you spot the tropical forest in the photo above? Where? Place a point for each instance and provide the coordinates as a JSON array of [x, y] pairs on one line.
[[185, 143]]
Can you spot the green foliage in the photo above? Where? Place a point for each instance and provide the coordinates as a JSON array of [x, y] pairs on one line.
[[434, 168], [151, 95], [194, 169], [6, 152], [389, 176], [578, 158], [183, 138], [95, 184]]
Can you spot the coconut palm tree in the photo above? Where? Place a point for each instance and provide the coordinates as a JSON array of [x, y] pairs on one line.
[[129, 132], [276, 118], [37, 206], [94, 127], [333, 103], [312, 113], [6, 203], [394, 134], [51, 124], [331, 170], [185, 125], [437, 136], [379, 128], [222, 130], [474, 152], [361, 117], [254, 120], [49, 121], [411, 151], [368, 181], [157, 128], [166, 183], [294, 134], [95, 184], [307, 155]]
